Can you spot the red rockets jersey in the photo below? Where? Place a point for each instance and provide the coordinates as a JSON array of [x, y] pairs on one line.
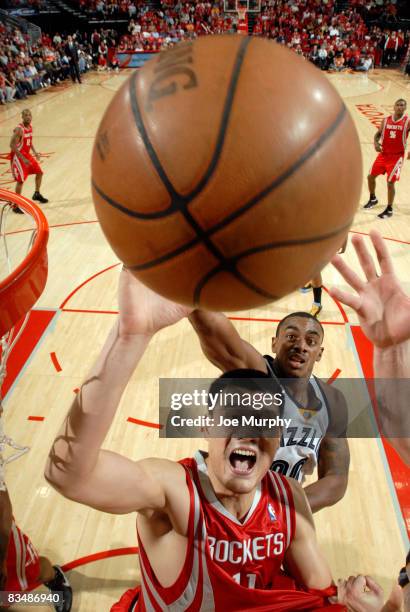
[[25, 143], [230, 565], [394, 135], [250, 551]]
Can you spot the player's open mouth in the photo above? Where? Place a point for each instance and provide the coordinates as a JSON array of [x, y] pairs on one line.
[[242, 460], [296, 359]]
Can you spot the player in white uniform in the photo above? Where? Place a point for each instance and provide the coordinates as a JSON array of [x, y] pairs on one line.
[[299, 450], [318, 411]]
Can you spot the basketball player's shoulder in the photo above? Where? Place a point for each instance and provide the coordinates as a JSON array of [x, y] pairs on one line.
[[168, 482], [165, 491], [163, 473], [162, 468]]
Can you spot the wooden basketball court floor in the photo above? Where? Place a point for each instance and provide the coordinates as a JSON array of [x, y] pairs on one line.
[[365, 532]]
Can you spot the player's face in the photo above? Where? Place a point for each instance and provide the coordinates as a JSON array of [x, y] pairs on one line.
[[26, 115], [400, 108], [239, 464], [298, 346]]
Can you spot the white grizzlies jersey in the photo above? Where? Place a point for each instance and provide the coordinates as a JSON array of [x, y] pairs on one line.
[[300, 442]]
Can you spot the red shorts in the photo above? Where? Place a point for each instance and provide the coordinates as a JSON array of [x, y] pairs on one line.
[[388, 164], [22, 168], [23, 562]]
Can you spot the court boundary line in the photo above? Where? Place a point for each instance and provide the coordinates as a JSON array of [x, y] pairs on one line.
[[400, 518]]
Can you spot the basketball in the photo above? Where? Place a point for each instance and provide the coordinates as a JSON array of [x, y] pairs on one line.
[[226, 172]]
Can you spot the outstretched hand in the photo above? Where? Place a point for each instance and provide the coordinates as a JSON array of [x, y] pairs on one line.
[[380, 303], [142, 311]]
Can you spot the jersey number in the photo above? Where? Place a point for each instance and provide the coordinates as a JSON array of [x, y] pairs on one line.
[[282, 467], [251, 579], [392, 134]]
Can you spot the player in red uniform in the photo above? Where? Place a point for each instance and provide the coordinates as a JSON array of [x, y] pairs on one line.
[[21, 568], [22, 162], [390, 142], [213, 530]]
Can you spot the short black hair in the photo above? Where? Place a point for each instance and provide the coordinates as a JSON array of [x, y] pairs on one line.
[[252, 380], [243, 383], [401, 100], [301, 314]]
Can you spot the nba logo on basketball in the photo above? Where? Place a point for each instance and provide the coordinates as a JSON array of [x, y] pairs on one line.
[[271, 513]]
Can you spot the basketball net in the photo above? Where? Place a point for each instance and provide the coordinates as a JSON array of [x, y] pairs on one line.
[[8, 342]]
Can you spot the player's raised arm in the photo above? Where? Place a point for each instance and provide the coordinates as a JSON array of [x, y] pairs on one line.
[[77, 465], [304, 559], [222, 344], [384, 315]]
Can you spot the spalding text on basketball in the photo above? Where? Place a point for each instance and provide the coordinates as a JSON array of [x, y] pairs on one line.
[[173, 73]]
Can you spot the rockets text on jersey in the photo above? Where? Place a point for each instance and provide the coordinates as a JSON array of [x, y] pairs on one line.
[[230, 563], [24, 145], [394, 135]]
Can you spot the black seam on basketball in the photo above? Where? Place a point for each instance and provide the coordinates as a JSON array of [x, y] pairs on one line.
[[225, 118], [147, 143], [180, 203], [276, 183], [163, 258], [285, 174], [127, 211], [179, 199], [204, 235], [238, 275], [289, 243], [233, 261]]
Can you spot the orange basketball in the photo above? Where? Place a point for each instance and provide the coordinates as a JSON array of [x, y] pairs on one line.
[[226, 172]]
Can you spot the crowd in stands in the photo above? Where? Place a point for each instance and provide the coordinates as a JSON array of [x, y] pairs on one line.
[[331, 40], [312, 28], [26, 68], [175, 21], [34, 5], [379, 10]]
